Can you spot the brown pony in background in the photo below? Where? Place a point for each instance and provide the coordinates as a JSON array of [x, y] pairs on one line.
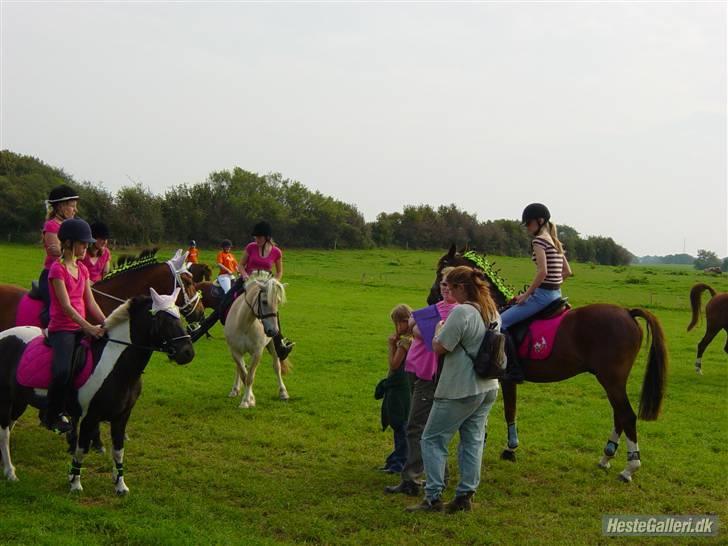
[[603, 340], [200, 272], [716, 314]]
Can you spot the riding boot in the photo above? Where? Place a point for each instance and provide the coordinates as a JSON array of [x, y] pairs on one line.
[[283, 346], [204, 326], [54, 418], [514, 369]]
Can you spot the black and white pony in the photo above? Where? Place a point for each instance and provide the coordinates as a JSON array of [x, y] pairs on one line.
[[137, 328]]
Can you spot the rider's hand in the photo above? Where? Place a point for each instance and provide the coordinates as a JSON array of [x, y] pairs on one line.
[[520, 298], [94, 331]]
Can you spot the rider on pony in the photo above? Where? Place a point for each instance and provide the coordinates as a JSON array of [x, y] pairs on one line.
[[71, 302], [98, 256], [552, 268], [62, 202], [192, 253], [227, 264]]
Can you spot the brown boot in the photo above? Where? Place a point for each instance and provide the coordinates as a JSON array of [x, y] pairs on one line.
[[461, 503], [406, 487]]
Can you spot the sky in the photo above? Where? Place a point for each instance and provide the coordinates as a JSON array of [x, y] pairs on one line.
[[613, 114]]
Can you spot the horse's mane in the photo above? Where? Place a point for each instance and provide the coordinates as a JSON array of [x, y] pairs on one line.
[[276, 290], [130, 262], [491, 274], [121, 314]]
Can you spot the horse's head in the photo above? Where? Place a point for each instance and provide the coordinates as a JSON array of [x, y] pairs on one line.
[[451, 259], [190, 299], [160, 321], [265, 294], [499, 291]]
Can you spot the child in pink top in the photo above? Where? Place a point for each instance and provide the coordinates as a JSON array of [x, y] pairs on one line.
[[71, 302], [62, 202], [98, 256]]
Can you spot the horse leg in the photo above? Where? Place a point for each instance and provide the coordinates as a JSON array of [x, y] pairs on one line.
[[8, 469], [282, 391], [625, 416], [86, 432], [610, 449], [240, 374], [249, 397], [118, 433], [509, 389], [710, 333]]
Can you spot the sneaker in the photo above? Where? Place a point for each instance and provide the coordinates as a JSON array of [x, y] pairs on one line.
[[427, 506], [461, 503], [406, 487], [59, 424]]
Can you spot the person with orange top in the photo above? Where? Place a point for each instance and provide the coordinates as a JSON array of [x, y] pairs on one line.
[[227, 264], [192, 254]]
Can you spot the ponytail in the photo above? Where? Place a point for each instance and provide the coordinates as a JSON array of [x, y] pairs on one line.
[[477, 290], [555, 237]]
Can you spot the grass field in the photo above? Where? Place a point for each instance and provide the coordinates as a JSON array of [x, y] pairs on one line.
[[203, 471]]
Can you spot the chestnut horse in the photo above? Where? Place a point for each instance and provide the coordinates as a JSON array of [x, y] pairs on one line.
[[716, 313], [601, 339], [133, 276], [200, 272]]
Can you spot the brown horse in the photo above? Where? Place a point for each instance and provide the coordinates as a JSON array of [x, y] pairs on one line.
[[600, 339], [135, 276], [716, 313], [209, 294], [200, 272]]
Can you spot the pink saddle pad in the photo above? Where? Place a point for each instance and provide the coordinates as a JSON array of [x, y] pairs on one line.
[[539, 341], [34, 370], [28, 312]]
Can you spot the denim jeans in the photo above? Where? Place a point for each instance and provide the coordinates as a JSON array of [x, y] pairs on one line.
[[469, 416], [395, 461], [537, 301]]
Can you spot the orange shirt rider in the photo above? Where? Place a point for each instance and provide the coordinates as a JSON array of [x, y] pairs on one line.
[[228, 266]]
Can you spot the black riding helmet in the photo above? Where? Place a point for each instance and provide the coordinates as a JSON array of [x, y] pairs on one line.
[[194, 243], [62, 193], [226, 243], [262, 229], [534, 211], [99, 230], [75, 229]]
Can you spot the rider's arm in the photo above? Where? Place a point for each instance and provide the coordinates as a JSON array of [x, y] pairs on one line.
[[279, 268], [52, 243], [242, 264], [566, 272], [93, 307]]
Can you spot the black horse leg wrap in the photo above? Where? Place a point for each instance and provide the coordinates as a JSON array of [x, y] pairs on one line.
[[119, 471], [75, 468], [633, 456]]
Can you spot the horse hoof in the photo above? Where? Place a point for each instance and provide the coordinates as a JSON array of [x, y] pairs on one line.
[[11, 476], [244, 405], [604, 466], [284, 396], [624, 478], [508, 455], [76, 488], [233, 393], [99, 449], [122, 492]]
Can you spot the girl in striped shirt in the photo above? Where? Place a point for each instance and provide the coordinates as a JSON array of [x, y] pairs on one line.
[[552, 267]]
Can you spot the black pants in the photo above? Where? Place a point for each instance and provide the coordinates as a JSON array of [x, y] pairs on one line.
[[45, 293], [63, 344]]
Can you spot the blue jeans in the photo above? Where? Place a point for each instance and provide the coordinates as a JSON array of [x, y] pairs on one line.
[[537, 301], [469, 416], [396, 460]]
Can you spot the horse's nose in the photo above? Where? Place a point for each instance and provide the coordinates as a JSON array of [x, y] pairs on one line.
[[271, 332], [185, 355]]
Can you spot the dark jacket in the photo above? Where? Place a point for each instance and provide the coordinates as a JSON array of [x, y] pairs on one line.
[[394, 391]]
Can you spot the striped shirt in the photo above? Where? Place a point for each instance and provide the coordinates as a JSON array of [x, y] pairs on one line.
[[554, 261]]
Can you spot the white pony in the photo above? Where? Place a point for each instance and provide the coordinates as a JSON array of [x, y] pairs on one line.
[[251, 323]]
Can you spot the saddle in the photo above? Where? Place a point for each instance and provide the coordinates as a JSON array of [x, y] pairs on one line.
[[34, 368], [518, 331]]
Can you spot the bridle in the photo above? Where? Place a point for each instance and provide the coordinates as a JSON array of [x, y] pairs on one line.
[[167, 346], [257, 307], [190, 302]]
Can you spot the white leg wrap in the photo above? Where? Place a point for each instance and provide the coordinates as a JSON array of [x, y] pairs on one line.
[[74, 476], [8, 468], [633, 461], [699, 366], [119, 485]]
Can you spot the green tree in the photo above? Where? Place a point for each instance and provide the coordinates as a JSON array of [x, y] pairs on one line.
[[706, 258]]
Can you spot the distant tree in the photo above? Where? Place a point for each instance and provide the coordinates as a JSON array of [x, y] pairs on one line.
[[706, 258], [724, 265]]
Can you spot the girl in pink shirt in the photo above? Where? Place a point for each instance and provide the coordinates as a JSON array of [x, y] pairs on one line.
[[71, 302], [62, 203], [98, 256]]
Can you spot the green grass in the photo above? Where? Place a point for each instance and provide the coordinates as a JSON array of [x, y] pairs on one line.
[[201, 470]]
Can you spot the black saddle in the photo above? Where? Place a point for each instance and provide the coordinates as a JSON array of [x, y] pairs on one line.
[[519, 330], [34, 291]]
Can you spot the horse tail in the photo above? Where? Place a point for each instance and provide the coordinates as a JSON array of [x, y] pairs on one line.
[[286, 366], [653, 385], [695, 294]]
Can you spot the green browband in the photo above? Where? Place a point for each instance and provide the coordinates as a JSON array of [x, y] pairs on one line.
[[493, 276]]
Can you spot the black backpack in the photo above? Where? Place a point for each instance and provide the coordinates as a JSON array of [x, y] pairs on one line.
[[490, 360]]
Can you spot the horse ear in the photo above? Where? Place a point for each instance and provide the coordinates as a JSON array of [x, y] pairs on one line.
[[175, 293], [452, 251], [154, 294]]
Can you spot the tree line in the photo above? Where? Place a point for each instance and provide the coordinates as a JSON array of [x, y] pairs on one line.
[[230, 202]]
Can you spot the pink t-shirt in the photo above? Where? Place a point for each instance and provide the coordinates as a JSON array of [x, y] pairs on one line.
[[60, 322], [420, 360], [256, 262], [96, 270], [51, 226]]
